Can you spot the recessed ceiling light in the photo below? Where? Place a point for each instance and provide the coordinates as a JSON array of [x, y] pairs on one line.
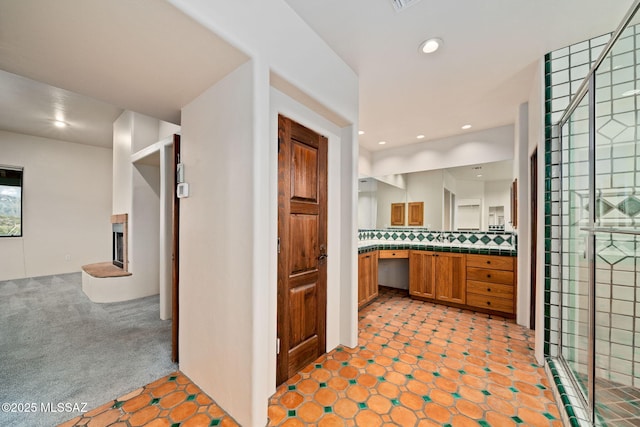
[[382, 142], [479, 175], [360, 132], [420, 136], [60, 124], [465, 127], [430, 45]]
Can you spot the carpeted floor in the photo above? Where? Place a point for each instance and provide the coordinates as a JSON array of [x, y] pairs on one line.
[[57, 347]]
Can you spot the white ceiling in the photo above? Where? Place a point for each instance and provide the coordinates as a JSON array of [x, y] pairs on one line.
[[144, 56], [479, 77], [148, 57], [495, 171], [30, 107]]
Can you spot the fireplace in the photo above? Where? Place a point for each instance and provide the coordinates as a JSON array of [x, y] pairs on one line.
[[118, 245], [119, 240]]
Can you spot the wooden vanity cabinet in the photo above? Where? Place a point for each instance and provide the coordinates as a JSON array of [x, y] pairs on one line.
[[491, 283], [437, 275], [421, 277], [367, 277]]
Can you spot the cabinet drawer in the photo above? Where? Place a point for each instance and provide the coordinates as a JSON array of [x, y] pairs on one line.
[[491, 276], [490, 261], [490, 289], [389, 253], [490, 303]]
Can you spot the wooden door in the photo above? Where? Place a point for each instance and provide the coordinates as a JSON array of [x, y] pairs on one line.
[[302, 236], [421, 282], [534, 238], [450, 273], [175, 260]]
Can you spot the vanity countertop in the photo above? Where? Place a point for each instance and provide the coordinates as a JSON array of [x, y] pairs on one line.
[[469, 248]]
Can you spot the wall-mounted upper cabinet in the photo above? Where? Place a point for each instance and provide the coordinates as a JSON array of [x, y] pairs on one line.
[[397, 214], [416, 214]]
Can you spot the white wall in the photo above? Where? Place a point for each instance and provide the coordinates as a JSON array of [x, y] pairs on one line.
[[536, 140], [66, 206], [386, 195], [278, 42], [367, 209], [521, 171], [484, 146], [144, 230], [427, 187], [137, 192], [364, 163], [394, 273], [216, 239], [496, 193]]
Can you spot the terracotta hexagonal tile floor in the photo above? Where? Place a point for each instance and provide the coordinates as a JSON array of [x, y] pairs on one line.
[[172, 401], [417, 364], [422, 364]]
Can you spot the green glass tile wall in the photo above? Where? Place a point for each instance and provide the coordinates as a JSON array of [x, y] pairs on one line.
[[565, 69], [617, 206]]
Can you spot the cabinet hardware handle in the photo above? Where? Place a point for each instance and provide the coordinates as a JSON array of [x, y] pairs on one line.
[[488, 289], [488, 302], [393, 254], [488, 262], [488, 276]]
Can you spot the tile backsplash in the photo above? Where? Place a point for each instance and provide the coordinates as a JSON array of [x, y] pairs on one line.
[[479, 239]]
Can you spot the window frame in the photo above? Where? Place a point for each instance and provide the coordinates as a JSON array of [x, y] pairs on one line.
[[19, 169]]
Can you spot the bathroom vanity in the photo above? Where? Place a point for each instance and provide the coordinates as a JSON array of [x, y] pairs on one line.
[[479, 277]]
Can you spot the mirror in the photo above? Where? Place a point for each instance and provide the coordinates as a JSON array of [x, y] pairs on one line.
[[465, 198]]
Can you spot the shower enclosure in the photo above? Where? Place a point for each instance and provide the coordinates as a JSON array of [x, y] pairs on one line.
[[598, 339]]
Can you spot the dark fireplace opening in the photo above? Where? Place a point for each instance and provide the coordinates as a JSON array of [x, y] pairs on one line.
[[118, 245]]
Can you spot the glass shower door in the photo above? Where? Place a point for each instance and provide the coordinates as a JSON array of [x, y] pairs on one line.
[[617, 229], [575, 271]]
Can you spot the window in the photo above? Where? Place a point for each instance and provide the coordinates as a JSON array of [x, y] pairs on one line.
[[10, 201]]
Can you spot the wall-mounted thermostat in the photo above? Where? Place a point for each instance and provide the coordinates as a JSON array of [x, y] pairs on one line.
[[182, 190]]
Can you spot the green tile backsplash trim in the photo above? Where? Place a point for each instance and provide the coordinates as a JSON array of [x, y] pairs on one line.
[[485, 242]]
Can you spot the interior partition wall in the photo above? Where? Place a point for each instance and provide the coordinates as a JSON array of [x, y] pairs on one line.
[[592, 211]]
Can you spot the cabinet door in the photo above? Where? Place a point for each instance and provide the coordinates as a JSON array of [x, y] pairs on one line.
[[367, 277], [416, 214], [373, 276], [397, 213], [450, 275], [421, 274]]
